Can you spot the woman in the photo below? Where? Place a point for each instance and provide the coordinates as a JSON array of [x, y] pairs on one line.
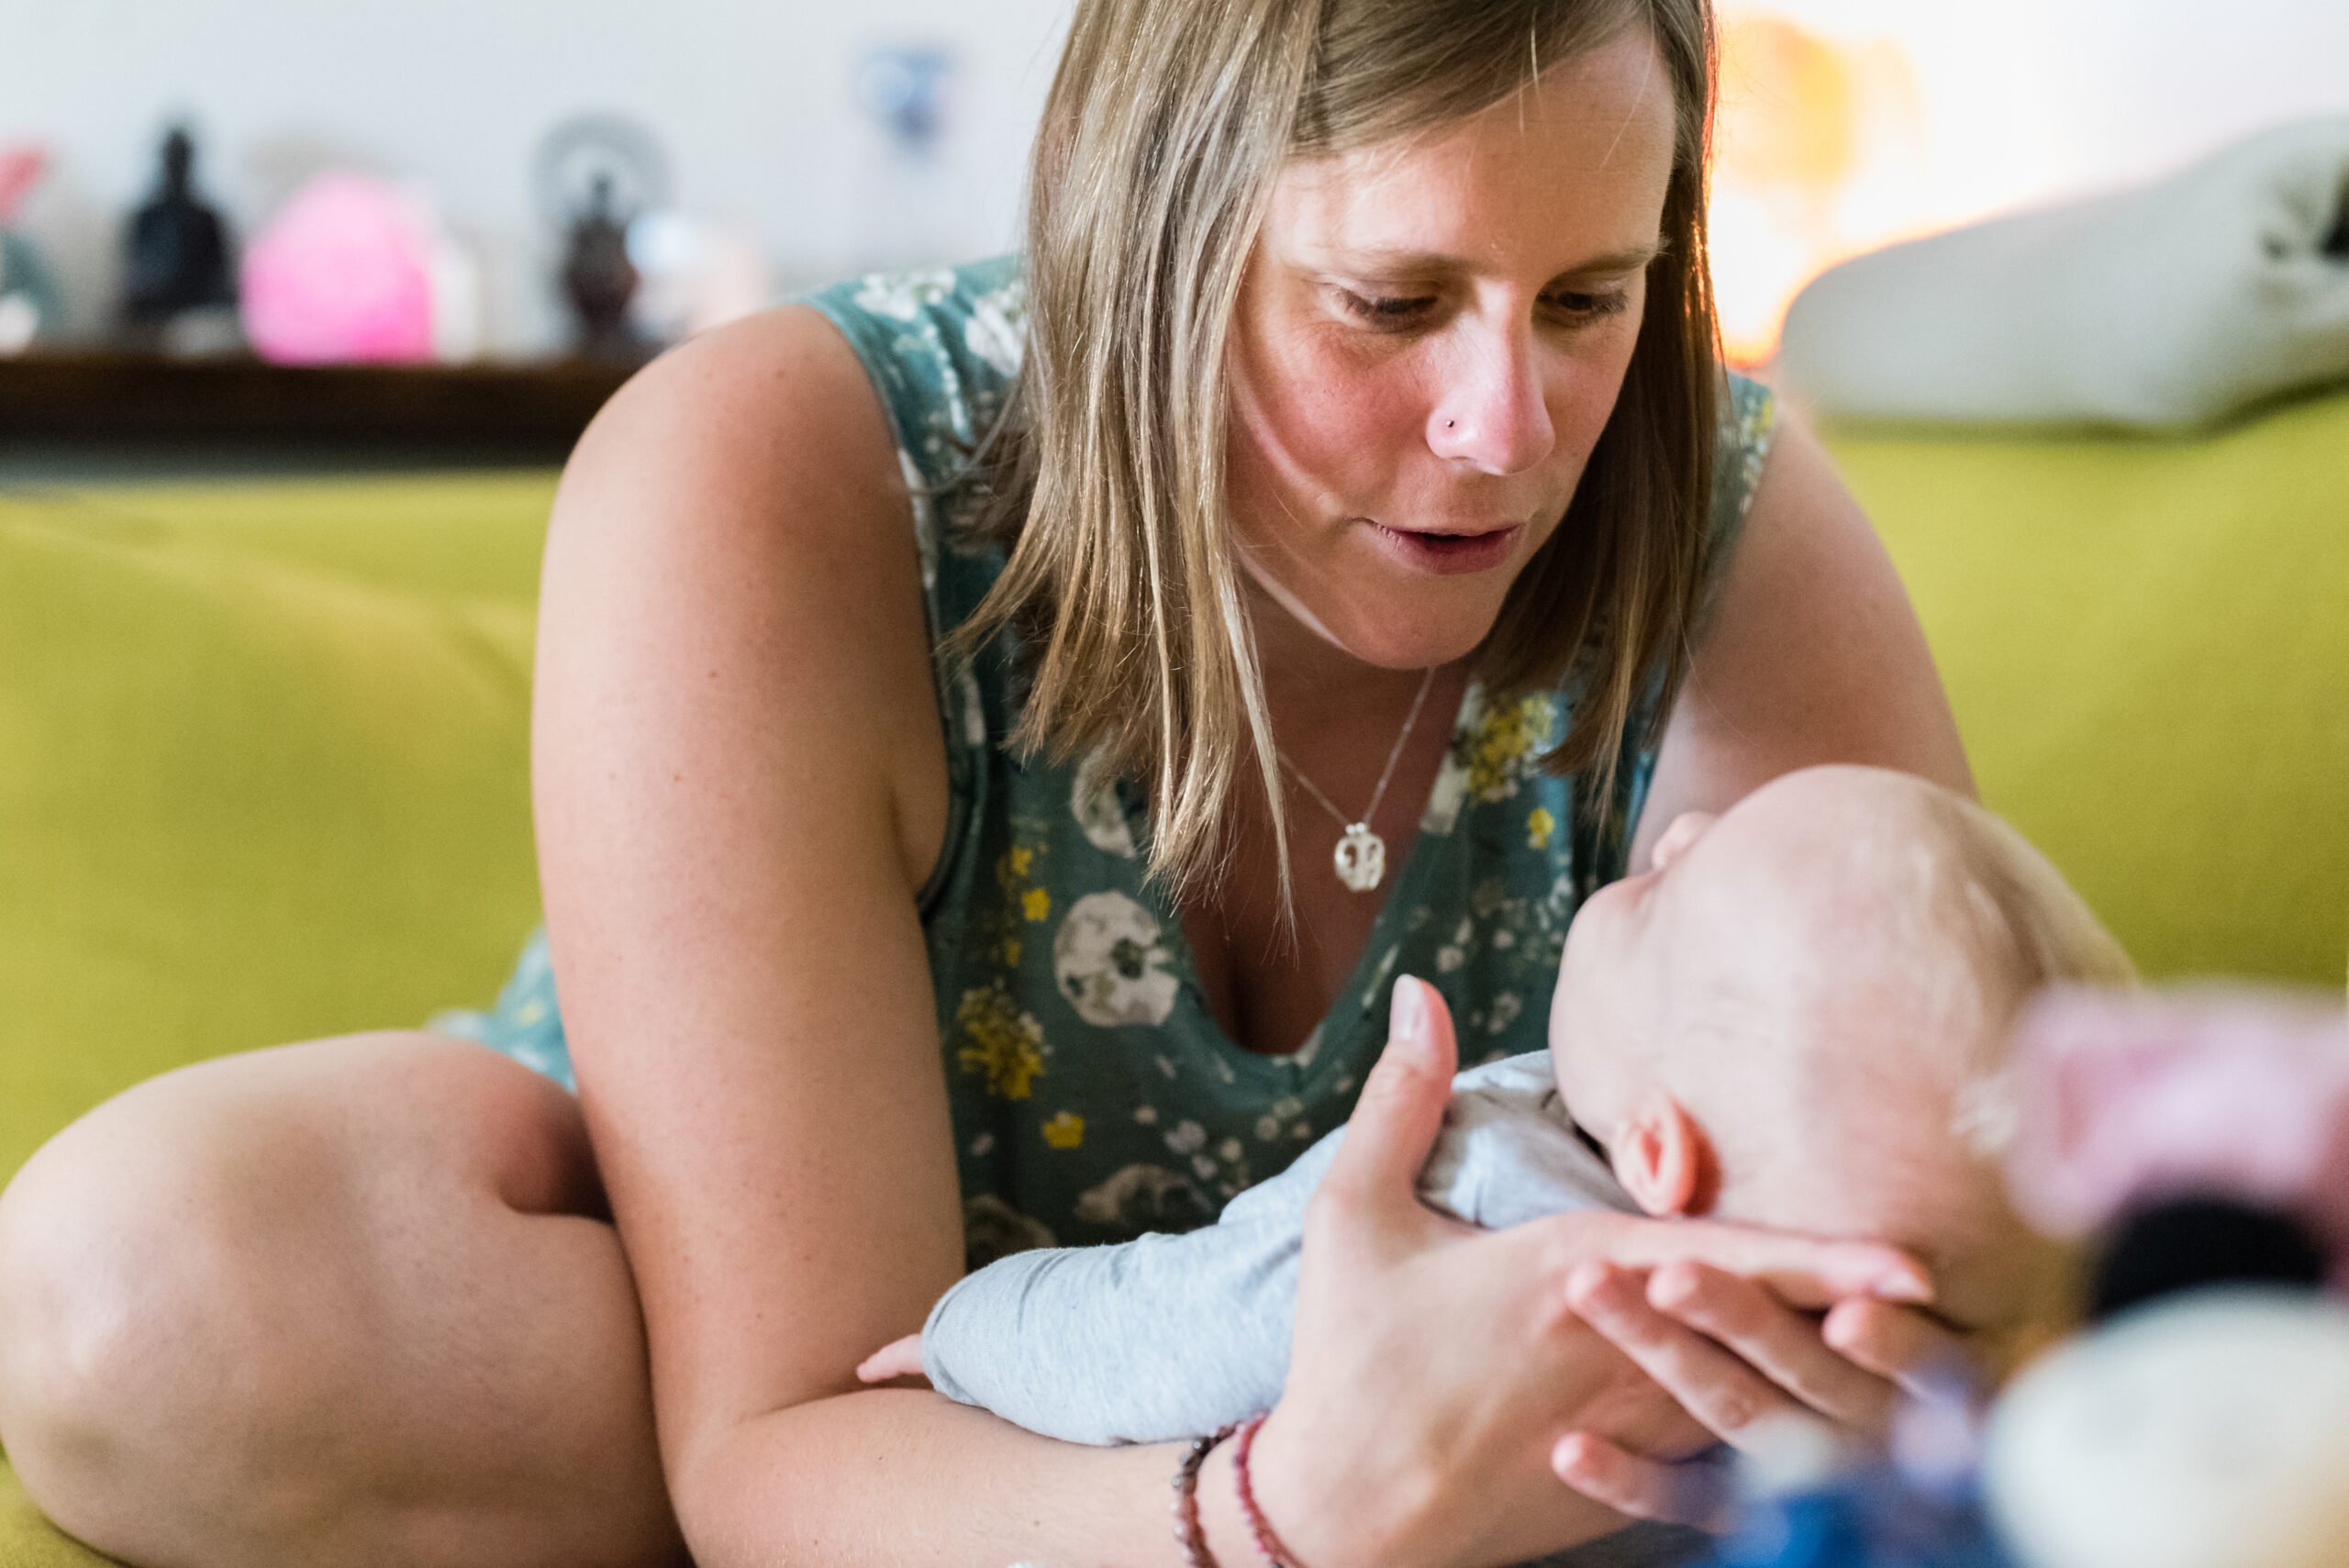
[[1370, 382]]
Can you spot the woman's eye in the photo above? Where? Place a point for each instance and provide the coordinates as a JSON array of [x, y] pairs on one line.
[[1386, 310], [1586, 306]]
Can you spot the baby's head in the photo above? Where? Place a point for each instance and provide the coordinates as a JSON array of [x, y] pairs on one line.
[[1798, 1018]]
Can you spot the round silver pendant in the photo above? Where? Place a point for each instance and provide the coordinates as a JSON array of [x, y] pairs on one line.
[[1362, 858]]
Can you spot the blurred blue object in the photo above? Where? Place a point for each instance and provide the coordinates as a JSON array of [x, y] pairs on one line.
[[1876, 1517], [1807, 1507], [905, 89]]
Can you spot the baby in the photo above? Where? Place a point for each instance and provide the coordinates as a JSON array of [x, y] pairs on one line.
[[1796, 1020]]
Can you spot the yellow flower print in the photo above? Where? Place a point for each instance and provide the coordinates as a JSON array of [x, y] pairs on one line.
[[1066, 1130], [1538, 827], [1001, 1042], [1000, 926], [1501, 749]]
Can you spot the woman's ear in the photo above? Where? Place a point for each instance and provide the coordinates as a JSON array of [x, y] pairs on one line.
[[1663, 1158]]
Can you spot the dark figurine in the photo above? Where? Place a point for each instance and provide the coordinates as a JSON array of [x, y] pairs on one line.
[[599, 278], [175, 249]]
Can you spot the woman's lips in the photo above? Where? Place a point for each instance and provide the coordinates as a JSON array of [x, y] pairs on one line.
[[1447, 555]]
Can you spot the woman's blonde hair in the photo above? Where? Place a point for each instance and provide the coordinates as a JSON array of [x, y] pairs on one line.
[[1167, 123]]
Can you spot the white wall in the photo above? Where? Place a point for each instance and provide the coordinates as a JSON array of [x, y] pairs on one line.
[[754, 98]]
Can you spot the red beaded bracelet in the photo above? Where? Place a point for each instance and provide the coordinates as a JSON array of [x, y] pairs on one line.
[[1187, 1533], [1266, 1541]]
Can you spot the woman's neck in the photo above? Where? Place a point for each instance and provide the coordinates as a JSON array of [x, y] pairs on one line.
[[1311, 683]]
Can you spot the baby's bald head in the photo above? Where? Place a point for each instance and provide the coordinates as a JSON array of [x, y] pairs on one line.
[[1820, 982]]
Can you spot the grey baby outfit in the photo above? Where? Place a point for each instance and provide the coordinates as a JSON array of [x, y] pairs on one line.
[[1169, 1336]]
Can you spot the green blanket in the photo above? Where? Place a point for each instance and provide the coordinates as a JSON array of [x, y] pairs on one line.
[[2147, 644], [263, 748], [264, 770]]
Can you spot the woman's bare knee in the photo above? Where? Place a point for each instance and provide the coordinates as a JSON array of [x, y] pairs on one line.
[[344, 1301]]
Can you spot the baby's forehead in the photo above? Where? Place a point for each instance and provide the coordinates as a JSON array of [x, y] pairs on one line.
[[1874, 874], [1843, 822]]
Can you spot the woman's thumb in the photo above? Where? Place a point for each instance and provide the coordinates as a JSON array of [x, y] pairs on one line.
[[1401, 1108]]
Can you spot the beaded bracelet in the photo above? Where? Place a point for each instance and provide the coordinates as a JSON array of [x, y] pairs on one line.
[[1187, 1533], [1266, 1541]]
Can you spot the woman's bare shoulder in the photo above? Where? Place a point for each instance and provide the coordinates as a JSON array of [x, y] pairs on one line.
[[737, 511], [772, 419]]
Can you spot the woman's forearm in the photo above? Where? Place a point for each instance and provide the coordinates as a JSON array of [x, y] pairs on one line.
[[908, 1479]]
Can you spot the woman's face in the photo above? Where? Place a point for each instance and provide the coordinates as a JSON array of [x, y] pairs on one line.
[[1430, 338]]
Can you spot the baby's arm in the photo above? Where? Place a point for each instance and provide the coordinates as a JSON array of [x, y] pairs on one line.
[[1164, 1336], [1169, 1336]]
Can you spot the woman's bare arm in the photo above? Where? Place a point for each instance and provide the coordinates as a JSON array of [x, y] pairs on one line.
[[1813, 655], [740, 783]]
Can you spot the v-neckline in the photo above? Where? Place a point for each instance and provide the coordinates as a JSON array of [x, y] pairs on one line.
[[1357, 993]]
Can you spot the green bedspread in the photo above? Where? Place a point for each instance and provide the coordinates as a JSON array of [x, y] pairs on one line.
[[263, 748]]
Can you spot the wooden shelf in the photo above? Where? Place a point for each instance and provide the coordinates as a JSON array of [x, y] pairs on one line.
[[536, 408]]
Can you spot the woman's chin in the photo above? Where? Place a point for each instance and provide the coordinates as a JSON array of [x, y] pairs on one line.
[[1418, 626]]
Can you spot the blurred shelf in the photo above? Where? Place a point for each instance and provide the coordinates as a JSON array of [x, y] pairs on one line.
[[521, 411]]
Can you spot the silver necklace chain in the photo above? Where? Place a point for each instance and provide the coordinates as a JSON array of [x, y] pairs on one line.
[[1361, 857]]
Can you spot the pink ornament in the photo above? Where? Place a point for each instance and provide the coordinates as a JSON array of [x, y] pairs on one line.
[[2129, 1098], [343, 273], [20, 171]]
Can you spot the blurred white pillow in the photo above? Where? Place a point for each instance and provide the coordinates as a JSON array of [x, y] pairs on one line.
[[2170, 303]]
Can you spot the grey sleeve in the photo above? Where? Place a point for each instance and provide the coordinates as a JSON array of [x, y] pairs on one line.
[[1164, 1336], [1169, 1336], [1508, 1152]]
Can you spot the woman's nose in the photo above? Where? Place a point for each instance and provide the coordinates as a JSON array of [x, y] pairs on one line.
[[1491, 413]]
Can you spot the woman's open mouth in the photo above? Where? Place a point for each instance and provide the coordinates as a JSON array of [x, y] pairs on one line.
[[1447, 554]]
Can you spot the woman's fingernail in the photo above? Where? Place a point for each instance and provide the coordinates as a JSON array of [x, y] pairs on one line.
[[1407, 1010], [1672, 1286], [1904, 1282]]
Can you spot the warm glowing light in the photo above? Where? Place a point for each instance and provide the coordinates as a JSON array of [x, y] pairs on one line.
[[1819, 148]]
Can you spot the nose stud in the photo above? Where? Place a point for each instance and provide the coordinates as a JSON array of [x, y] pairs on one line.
[[1449, 423]]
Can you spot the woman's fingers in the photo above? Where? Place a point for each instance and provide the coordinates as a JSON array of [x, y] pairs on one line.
[[1395, 1123], [1727, 1396], [1799, 1270], [1695, 1492], [1784, 1346], [1896, 1343]]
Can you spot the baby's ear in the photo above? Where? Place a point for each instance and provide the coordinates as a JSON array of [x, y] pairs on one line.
[[1661, 1156]]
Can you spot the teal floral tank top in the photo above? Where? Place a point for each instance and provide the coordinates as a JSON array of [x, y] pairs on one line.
[[1094, 1096]]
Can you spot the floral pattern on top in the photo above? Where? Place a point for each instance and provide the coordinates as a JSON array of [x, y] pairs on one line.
[[1093, 1095]]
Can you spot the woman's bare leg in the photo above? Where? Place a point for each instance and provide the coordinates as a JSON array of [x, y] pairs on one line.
[[342, 1303]]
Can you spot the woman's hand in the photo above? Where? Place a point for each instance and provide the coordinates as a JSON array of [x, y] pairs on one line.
[[1757, 1373], [1436, 1367]]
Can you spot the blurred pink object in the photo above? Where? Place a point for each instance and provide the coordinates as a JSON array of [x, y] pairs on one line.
[[21, 170], [343, 273], [2127, 1097]]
